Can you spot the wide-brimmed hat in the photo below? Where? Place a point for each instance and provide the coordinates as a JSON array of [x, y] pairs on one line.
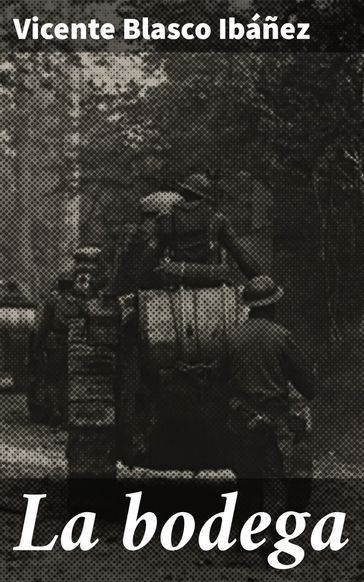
[[262, 291], [197, 184]]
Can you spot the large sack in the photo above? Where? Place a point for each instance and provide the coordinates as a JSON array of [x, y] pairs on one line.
[[188, 325]]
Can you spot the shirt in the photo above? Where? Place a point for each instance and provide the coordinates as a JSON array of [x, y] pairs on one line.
[[263, 360], [138, 259]]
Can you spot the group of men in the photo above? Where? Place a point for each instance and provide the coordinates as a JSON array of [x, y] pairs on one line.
[[183, 239]]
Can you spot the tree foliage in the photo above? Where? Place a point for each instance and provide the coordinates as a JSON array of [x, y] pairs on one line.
[[291, 121]]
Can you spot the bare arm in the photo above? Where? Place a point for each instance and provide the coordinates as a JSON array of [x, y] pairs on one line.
[[232, 243]]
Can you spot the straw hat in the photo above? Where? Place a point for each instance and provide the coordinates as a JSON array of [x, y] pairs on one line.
[[262, 291]]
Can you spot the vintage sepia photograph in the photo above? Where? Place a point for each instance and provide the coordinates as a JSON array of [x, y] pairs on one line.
[[181, 306]]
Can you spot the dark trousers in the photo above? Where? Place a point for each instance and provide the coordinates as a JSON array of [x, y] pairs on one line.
[[56, 377], [262, 484]]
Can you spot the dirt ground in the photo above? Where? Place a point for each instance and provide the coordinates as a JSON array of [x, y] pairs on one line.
[[110, 562], [28, 451]]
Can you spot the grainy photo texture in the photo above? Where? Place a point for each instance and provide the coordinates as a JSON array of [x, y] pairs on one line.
[[181, 306]]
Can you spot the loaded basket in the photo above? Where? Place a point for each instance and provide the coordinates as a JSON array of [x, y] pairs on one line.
[[162, 356], [183, 338]]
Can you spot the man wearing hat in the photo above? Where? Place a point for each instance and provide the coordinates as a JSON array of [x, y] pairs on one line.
[[197, 237], [49, 349], [139, 248], [88, 276], [265, 363], [183, 239]]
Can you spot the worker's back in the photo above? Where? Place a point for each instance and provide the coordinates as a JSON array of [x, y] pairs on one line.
[[257, 354], [189, 232]]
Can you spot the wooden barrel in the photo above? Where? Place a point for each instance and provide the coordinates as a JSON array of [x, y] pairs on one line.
[[188, 325]]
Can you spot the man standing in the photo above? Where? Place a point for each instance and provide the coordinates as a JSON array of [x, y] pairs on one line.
[[182, 239], [139, 249], [265, 363], [197, 238], [49, 349]]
